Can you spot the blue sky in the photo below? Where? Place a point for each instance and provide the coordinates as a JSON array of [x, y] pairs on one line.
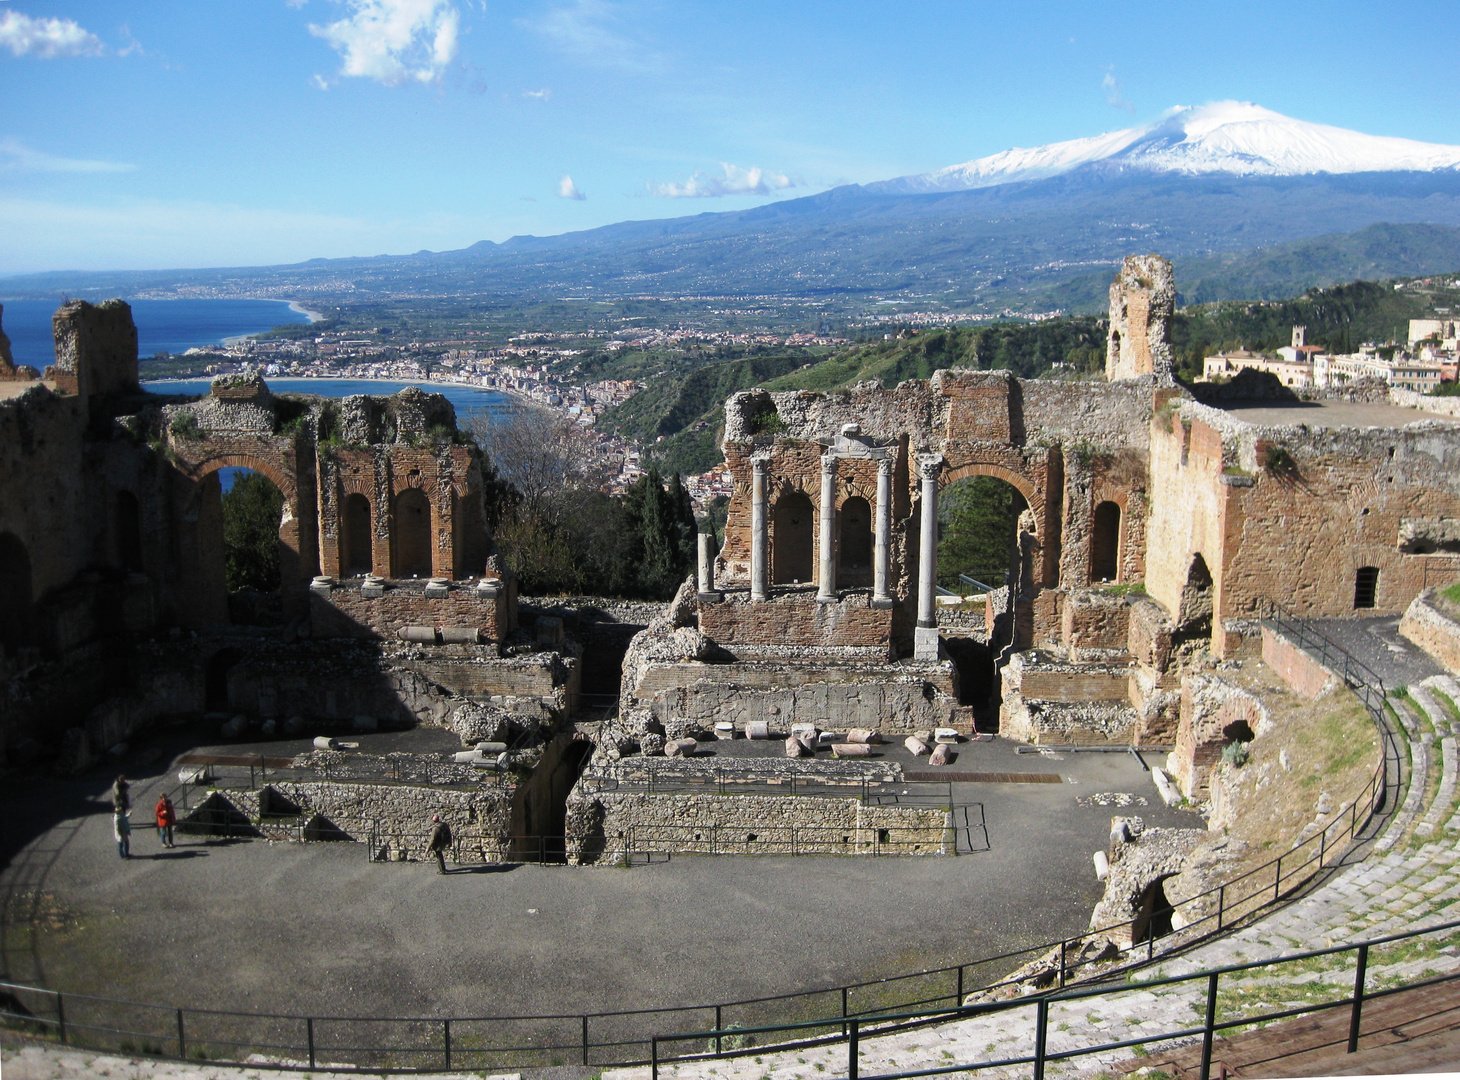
[[150, 133]]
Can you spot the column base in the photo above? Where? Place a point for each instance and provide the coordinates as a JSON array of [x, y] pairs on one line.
[[827, 599], [709, 597], [882, 603], [757, 598], [926, 643]]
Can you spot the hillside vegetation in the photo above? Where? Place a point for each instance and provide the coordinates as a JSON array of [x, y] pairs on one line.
[[685, 410]]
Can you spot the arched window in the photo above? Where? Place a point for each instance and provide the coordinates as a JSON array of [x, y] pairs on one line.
[[412, 534], [855, 552], [15, 592], [791, 547], [1366, 586], [356, 547], [1105, 543]]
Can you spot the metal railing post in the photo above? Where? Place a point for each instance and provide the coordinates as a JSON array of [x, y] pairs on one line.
[[852, 1051], [1209, 1028], [959, 1002], [585, 1040], [1221, 904], [1277, 878], [654, 1057], [446, 1041], [182, 1040], [309, 1034], [60, 1018], [1356, 1016], [1041, 1025], [719, 1027], [1062, 963], [844, 1012]]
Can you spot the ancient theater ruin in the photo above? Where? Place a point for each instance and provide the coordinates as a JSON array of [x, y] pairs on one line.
[[1158, 528]]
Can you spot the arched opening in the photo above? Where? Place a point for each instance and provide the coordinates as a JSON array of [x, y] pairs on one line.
[[412, 534], [1195, 621], [15, 592], [1105, 543], [978, 533], [1154, 914], [215, 679], [252, 510], [791, 540], [128, 522], [356, 541], [1366, 586], [854, 567]]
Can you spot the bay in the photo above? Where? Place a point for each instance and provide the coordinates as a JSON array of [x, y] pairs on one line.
[[172, 326], [465, 399]]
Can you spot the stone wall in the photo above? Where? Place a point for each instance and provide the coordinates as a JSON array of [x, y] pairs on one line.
[[1142, 300], [1295, 666], [397, 816], [607, 827], [1214, 713], [797, 618], [1092, 619], [342, 610], [1428, 623]]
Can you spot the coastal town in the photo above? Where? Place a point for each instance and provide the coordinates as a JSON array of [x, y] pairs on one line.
[[1428, 359]]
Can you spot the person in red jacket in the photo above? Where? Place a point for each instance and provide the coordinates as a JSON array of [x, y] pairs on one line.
[[166, 819]]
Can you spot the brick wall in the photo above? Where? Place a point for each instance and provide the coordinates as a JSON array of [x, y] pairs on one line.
[[1298, 669], [342, 612], [796, 618], [1429, 625]]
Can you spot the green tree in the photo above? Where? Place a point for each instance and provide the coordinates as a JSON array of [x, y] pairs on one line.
[[252, 510], [979, 519]]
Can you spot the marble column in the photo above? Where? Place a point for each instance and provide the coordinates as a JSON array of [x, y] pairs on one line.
[[826, 574], [760, 467], [707, 567], [929, 468], [882, 552]]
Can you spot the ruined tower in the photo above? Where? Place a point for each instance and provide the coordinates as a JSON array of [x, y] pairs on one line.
[[1142, 300]]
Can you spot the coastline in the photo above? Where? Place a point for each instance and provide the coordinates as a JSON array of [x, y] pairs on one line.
[[298, 308], [515, 396]]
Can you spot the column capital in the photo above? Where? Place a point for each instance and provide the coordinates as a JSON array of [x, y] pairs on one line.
[[761, 463], [828, 463], [930, 466], [884, 466]]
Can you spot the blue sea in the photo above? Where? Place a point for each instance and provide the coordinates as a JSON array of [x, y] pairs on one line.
[[466, 399], [172, 326]]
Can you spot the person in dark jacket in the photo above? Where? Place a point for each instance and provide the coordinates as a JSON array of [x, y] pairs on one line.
[[166, 819], [121, 796], [440, 841]]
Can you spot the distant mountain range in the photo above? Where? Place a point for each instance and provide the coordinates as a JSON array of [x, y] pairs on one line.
[[1232, 137], [1214, 188]]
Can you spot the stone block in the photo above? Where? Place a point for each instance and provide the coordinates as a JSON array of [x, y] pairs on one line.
[[851, 750], [915, 746], [869, 736], [680, 748], [807, 733], [758, 729], [795, 748], [724, 730], [942, 755]]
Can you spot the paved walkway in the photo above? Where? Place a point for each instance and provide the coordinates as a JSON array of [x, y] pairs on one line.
[[1411, 880]]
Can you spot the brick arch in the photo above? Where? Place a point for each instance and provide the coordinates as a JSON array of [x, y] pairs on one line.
[[279, 476], [781, 486], [1031, 491]]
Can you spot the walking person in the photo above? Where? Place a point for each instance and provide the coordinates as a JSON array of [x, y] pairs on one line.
[[122, 796], [440, 841], [166, 819], [122, 831]]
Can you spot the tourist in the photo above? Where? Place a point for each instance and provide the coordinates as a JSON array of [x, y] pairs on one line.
[[166, 818], [122, 830], [440, 841], [122, 796]]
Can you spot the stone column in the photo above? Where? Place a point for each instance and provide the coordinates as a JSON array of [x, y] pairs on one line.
[[882, 553], [707, 568], [926, 633], [760, 467], [826, 575]]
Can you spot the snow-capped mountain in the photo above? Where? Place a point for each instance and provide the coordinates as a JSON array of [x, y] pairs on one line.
[[1234, 137]]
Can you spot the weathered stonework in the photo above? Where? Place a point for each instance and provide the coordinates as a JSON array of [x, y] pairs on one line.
[[1429, 625]]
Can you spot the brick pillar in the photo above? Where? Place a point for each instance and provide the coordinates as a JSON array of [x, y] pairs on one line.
[[882, 553], [760, 466], [826, 572]]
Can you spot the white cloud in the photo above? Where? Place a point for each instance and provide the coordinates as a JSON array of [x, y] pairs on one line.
[[1114, 95], [589, 30], [732, 181], [17, 157], [569, 190], [394, 41], [47, 38], [539, 95]]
